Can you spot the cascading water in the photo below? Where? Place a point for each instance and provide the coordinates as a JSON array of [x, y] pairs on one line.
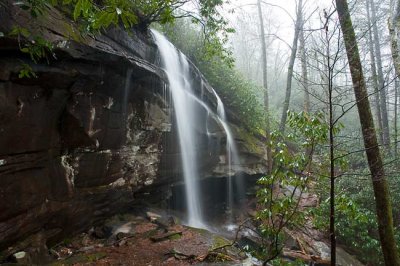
[[177, 69], [185, 102], [231, 151]]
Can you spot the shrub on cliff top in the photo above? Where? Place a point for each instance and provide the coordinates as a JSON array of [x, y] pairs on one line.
[[93, 16]]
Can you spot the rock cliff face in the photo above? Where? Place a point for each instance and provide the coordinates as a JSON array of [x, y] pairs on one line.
[[94, 127]]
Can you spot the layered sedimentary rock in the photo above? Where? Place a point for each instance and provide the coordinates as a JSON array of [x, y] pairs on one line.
[[94, 127]]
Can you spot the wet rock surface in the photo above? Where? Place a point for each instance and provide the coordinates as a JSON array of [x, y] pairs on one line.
[[79, 142], [147, 244]]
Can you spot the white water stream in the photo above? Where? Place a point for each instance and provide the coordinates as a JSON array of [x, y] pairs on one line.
[[231, 152], [184, 101]]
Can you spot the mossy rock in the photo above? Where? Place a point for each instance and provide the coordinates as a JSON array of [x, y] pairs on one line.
[[203, 232], [250, 142], [81, 258], [219, 241], [175, 237]]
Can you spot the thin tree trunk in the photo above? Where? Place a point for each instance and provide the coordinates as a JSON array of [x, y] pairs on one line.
[[396, 103], [265, 85], [396, 20], [396, 26], [290, 67], [379, 182], [382, 88], [393, 40], [304, 72], [394, 45], [374, 77], [332, 233]]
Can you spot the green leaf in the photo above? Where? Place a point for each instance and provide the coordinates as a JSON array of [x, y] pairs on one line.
[[77, 9], [26, 71]]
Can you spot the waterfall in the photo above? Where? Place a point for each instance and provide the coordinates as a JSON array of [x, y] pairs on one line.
[[185, 103], [177, 68], [231, 151]]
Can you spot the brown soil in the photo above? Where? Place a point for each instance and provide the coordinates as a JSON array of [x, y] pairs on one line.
[[189, 246]]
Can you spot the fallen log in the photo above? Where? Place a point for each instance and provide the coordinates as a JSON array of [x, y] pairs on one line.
[[294, 254]]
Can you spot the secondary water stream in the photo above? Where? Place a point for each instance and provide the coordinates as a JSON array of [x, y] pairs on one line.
[[231, 153]]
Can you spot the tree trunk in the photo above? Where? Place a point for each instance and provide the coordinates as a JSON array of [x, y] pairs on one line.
[[304, 72], [396, 20], [396, 103], [265, 85], [379, 182], [393, 31], [290, 67], [382, 88], [374, 77], [393, 26], [332, 233]]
